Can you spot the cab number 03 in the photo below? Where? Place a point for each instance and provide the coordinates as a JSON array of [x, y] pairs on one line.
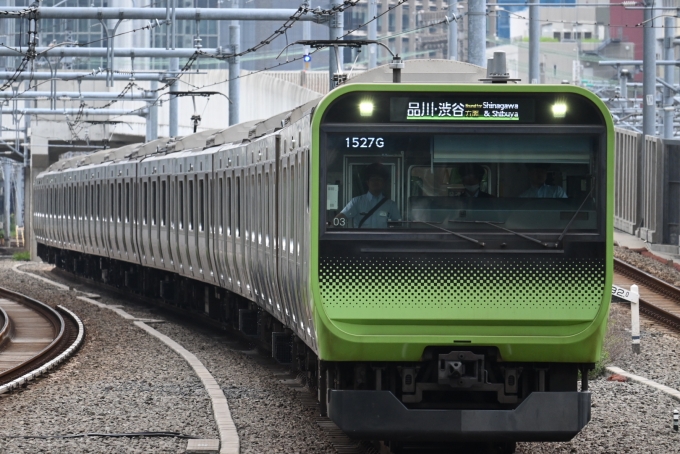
[[365, 142]]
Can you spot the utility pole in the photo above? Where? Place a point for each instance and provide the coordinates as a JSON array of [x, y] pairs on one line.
[[234, 69], [372, 34], [152, 116], [453, 30], [534, 42], [477, 32], [649, 70], [174, 74], [7, 175], [336, 28], [669, 76]]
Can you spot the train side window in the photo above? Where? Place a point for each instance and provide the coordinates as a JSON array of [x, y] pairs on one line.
[[238, 207], [87, 201], [191, 204], [291, 218], [145, 202], [261, 199], [220, 210], [153, 203], [163, 203], [201, 205], [113, 199], [120, 202], [228, 207], [180, 221], [266, 209], [305, 161], [127, 202], [97, 197], [284, 205]]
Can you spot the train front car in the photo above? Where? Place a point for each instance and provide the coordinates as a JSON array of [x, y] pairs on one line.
[[464, 306]]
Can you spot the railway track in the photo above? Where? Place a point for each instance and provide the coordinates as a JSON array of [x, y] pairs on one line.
[[658, 299], [34, 338]]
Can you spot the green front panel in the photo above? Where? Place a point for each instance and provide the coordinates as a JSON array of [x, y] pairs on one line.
[[447, 290]]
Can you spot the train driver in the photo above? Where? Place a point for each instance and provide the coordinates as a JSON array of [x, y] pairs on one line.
[[373, 209], [538, 174], [472, 175]]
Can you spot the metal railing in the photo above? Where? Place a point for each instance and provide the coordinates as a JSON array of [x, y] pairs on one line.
[[647, 187]]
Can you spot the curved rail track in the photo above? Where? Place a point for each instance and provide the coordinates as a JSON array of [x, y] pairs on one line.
[[658, 299], [32, 335]]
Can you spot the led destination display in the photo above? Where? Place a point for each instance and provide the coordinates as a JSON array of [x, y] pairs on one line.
[[461, 108]]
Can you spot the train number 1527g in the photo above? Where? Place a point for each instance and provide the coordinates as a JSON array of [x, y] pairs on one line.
[[365, 142]]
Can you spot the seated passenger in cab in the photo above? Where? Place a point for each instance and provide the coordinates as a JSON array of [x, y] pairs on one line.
[[373, 209], [538, 174], [472, 175]]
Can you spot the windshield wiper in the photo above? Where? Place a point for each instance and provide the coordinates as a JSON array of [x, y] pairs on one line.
[[495, 224], [564, 232], [480, 243]]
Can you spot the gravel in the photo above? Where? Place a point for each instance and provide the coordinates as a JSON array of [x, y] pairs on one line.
[[660, 270], [120, 381]]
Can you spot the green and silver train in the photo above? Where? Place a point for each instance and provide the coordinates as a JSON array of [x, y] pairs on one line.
[[436, 256]]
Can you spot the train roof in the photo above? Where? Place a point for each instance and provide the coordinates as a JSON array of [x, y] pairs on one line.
[[232, 134]]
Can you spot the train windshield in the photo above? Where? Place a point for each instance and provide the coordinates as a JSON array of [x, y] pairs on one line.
[[461, 182]]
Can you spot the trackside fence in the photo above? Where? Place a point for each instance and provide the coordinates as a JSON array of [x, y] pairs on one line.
[[647, 188]]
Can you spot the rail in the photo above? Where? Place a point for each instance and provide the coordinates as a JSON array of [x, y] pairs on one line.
[[68, 334], [670, 318]]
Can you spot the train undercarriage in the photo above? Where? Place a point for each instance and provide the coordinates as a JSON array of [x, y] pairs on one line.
[[462, 394]]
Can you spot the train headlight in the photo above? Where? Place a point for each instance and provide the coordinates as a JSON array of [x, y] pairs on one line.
[[366, 108], [559, 109]]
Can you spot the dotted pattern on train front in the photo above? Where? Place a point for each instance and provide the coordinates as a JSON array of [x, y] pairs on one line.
[[510, 287]]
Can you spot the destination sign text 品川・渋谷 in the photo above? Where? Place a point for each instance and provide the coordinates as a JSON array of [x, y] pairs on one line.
[[445, 110], [461, 108]]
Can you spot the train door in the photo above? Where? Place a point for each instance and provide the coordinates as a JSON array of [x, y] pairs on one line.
[[78, 213], [131, 213], [173, 208], [118, 214], [163, 218], [200, 229], [285, 220], [66, 228], [154, 232], [248, 208], [294, 242], [182, 226], [205, 239], [192, 241], [259, 226], [239, 232], [85, 194], [145, 231], [229, 231], [273, 297], [84, 226], [219, 230], [98, 219], [111, 206], [302, 234]]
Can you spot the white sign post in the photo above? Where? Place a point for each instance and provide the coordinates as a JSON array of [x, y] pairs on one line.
[[633, 297]]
